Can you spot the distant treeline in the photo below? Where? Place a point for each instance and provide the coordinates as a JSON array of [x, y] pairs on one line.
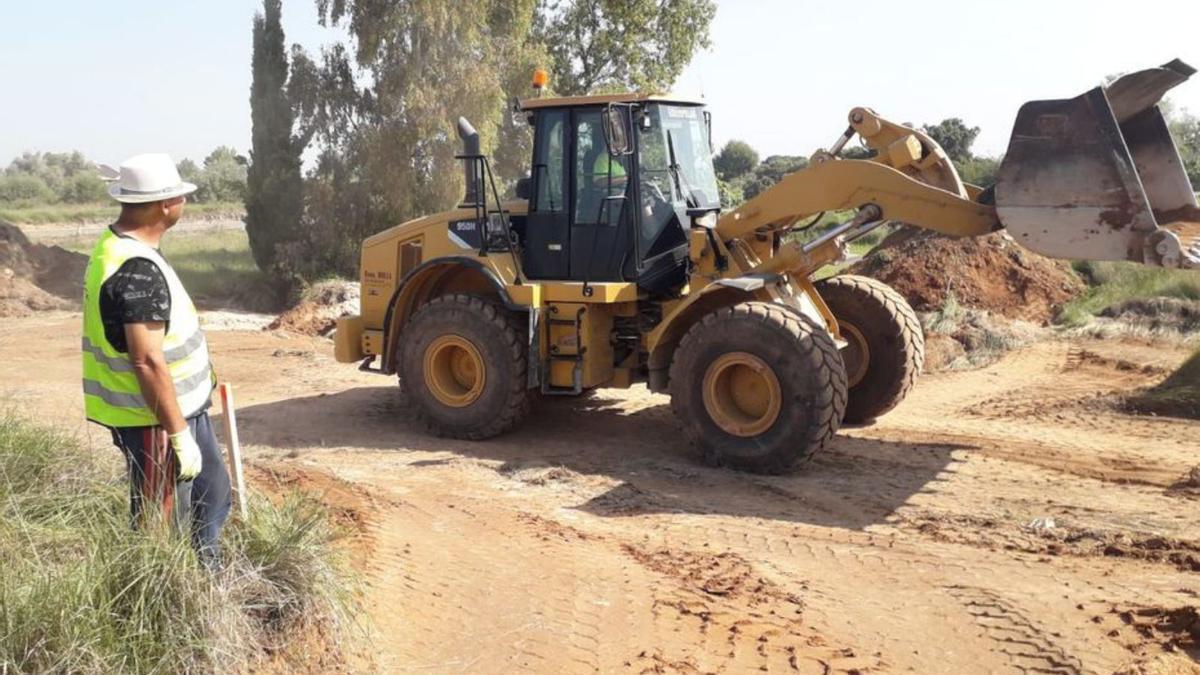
[[44, 178]]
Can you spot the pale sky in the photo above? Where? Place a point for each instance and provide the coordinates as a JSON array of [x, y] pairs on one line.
[[116, 78]]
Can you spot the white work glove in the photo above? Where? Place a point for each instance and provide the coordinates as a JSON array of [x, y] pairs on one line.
[[188, 452]]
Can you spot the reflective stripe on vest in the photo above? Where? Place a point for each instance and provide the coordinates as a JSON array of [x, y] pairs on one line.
[[112, 395], [122, 364]]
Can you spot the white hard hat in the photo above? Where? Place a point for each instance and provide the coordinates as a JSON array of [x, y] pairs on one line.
[[150, 177]]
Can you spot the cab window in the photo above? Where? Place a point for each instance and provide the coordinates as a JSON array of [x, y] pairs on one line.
[[549, 164], [597, 173]]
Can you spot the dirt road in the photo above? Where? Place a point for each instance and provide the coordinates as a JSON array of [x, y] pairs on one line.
[[1002, 520]]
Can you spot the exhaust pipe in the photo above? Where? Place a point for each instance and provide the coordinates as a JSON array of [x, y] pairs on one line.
[[470, 157], [1098, 177]]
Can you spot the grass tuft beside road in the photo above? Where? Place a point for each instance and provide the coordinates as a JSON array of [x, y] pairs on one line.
[[1113, 283], [82, 592]]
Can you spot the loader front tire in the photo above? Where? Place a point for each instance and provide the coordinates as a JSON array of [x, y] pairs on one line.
[[463, 367], [758, 387], [886, 347]]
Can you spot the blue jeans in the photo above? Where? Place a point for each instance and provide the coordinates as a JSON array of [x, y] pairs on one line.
[[198, 506]]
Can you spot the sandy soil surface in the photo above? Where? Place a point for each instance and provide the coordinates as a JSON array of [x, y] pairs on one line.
[[1001, 520]]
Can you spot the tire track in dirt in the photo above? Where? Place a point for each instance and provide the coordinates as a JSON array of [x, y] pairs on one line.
[[1027, 647], [576, 601]]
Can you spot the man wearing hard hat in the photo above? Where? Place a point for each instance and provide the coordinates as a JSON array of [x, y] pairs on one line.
[[146, 369]]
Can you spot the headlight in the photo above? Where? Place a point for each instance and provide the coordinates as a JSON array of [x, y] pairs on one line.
[[708, 220]]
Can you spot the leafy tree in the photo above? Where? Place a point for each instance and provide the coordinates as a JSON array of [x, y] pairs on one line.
[[272, 186], [83, 187], [734, 160], [26, 188], [731, 194], [1185, 129], [386, 133], [954, 136], [616, 44], [856, 152], [70, 176], [381, 109], [770, 172], [515, 134], [224, 177], [979, 170], [188, 170]]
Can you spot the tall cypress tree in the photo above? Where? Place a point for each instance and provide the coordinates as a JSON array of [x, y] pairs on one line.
[[275, 189]]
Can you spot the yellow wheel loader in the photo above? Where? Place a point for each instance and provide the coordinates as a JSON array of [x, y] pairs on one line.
[[617, 264]]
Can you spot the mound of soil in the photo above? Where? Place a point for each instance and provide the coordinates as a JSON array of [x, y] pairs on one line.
[[322, 306], [36, 278], [1177, 396], [991, 273]]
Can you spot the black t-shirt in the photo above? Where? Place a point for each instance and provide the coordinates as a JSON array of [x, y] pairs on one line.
[[136, 293]]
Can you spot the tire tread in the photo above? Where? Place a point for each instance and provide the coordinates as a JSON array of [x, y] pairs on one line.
[[518, 399], [818, 353], [903, 327]]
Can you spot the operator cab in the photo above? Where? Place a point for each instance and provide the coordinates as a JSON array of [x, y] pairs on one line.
[[615, 184]]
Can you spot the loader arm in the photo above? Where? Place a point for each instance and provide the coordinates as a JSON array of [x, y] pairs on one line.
[[1095, 177], [833, 185], [910, 179]]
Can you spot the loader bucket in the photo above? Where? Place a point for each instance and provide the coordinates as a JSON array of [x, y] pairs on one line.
[[1097, 177]]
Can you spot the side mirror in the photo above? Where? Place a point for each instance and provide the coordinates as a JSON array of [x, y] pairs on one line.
[[616, 131], [524, 188], [708, 129]]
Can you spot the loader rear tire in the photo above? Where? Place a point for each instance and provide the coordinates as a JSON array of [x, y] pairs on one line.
[[463, 367], [886, 349], [758, 387]]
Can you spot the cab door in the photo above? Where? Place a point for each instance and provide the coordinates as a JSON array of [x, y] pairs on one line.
[[600, 241], [547, 227]]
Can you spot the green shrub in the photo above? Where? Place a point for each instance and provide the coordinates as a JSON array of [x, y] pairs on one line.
[[84, 188], [979, 170], [84, 593], [24, 189]]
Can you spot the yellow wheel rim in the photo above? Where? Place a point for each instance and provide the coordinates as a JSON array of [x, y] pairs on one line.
[[741, 394], [454, 371], [856, 354]]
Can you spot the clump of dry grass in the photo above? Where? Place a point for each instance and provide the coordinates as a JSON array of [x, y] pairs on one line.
[[83, 593], [976, 338]]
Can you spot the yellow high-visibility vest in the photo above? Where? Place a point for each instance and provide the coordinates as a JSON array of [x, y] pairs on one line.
[[111, 392], [603, 162]]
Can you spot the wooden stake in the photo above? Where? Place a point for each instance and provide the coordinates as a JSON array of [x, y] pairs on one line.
[[233, 448]]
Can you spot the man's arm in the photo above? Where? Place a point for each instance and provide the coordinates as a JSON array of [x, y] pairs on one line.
[[145, 343]]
